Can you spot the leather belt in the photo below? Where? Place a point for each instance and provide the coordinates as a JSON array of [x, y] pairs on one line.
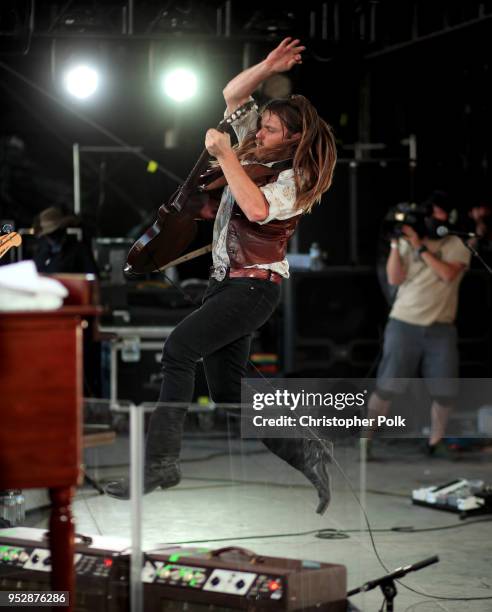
[[270, 275], [262, 273]]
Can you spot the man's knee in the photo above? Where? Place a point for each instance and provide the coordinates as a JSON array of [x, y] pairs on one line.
[[443, 401], [383, 394], [173, 351]]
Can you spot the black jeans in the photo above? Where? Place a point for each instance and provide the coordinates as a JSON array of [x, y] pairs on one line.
[[219, 332]]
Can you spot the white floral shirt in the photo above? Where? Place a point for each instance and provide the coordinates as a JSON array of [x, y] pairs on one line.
[[281, 198]]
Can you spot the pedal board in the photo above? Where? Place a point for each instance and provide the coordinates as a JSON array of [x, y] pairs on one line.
[[462, 496]]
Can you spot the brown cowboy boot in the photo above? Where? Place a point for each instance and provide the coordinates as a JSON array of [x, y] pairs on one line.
[[162, 451]]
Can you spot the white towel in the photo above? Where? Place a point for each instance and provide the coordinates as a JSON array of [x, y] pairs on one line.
[[22, 288]]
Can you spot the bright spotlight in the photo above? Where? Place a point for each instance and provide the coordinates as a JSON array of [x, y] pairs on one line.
[[180, 84], [81, 81]]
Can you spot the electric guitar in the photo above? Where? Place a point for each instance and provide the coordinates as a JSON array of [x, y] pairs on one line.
[[8, 241], [175, 227]]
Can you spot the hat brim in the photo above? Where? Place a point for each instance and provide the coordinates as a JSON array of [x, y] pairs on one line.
[[49, 228]]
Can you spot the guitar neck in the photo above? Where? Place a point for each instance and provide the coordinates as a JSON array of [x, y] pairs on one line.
[[191, 181], [196, 171]]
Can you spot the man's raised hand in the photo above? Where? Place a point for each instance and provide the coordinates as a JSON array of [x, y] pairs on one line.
[[286, 55]]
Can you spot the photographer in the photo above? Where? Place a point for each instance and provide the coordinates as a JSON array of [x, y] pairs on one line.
[[420, 334]]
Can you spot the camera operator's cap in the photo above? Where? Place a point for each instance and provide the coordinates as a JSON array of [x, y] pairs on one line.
[[441, 199], [52, 219]]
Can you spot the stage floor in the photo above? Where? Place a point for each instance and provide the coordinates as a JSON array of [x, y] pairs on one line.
[[234, 492]]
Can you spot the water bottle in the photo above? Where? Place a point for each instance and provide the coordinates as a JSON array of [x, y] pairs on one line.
[[20, 507], [8, 507], [315, 261]]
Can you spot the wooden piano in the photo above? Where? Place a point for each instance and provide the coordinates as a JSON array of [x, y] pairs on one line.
[[41, 398]]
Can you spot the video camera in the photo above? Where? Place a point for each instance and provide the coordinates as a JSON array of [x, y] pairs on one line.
[[415, 215]]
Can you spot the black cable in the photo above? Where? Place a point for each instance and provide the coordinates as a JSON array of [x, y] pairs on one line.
[[222, 454], [327, 534], [411, 529], [376, 552], [406, 529], [201, 460], [250, 537], [171, 175], [387, 493], [337, 534], [332, 534]]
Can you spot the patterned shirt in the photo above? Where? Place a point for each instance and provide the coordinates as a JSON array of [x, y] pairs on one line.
[[281, 198]]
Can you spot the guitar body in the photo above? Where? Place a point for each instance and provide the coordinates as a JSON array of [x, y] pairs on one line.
[[167, 238], [173, 232]]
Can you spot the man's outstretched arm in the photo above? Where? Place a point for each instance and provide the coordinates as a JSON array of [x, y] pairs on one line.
[[281, 59]]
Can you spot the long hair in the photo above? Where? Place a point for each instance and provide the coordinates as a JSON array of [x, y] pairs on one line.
[[314, 153]]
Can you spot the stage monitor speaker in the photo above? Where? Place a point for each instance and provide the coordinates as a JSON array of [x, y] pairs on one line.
[[336, 315], [196, 579], [334, 321], [475, 325], [475, 305], [101, 569], [176, 578]]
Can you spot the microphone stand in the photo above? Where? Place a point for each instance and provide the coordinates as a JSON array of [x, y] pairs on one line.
[[387, 583], [471, 248], [474, 252]]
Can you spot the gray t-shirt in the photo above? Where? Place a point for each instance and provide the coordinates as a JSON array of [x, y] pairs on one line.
[[424, 298]]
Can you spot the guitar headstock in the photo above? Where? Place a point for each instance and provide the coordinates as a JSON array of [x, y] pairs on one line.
[[244, 109], [8, 241]]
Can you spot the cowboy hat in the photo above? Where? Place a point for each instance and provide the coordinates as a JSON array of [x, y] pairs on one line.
[[51, 219]]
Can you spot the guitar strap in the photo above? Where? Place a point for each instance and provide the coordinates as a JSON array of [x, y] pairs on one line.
[[280, 166]]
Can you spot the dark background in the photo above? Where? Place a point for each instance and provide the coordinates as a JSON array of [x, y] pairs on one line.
[[378, 71]]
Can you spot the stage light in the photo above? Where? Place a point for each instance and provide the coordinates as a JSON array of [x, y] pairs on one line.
[[180, 84], [81, 81]]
